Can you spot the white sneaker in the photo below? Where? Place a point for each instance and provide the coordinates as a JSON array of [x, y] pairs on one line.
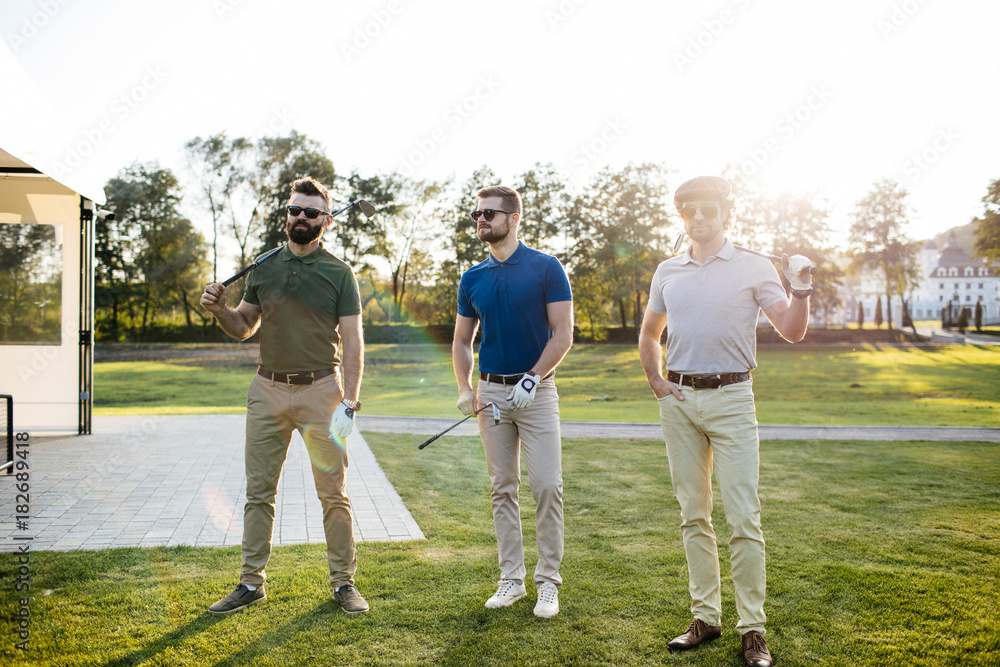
[[509, 592], [548, 600]]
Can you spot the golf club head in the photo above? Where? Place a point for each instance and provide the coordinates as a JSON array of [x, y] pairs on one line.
[[366, 207], [496, 414]]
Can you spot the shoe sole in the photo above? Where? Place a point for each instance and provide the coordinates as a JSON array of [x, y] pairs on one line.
[[354, 612], [501, 606], [236, 609]]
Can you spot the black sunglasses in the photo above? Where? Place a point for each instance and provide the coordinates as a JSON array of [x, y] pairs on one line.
[[708, 211], [487, 214], [311, 213]]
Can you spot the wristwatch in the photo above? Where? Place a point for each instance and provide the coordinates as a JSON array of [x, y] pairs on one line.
[[352, 407]]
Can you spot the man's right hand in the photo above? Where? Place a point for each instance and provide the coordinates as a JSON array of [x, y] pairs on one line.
[[468, 403], [661, 387], [213, 299]]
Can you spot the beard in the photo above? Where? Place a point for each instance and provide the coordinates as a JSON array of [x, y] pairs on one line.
[[304, 235], [493, 234]]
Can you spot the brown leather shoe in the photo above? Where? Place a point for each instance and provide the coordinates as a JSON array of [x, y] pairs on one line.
[[755, 651], [699, 631]]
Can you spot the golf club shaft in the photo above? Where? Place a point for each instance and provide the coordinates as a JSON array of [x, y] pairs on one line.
[[458, 423], [270, 254], [263, 258], [773, 258]]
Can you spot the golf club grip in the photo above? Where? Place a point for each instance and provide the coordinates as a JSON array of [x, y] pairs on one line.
[[427, 442]]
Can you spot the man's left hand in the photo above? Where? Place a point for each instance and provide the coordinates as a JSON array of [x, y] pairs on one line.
[[342, 422], [523, 392], [796, 269]]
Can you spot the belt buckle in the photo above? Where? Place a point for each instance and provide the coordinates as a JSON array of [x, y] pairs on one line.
[[706, 381], [308, 378]]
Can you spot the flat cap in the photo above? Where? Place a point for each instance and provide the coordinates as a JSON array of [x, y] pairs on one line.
[[702, 187]]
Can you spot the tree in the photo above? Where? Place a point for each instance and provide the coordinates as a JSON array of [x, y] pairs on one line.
[[879, 242], [988, 226], [789, 223], [620, 227], [963, 320], [154, 248], [861, 315], [544, 199], [220, 166], [30, 284], [878, 313], [278, 162], [977, 317]]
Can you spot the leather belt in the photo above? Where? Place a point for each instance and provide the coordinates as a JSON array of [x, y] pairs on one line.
[[507, 379], [295, 378], [707, 381]]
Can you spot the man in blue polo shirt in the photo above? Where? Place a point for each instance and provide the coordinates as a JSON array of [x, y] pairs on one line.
[[523, 300]]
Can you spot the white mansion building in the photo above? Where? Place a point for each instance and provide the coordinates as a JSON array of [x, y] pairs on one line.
[[949, 276]]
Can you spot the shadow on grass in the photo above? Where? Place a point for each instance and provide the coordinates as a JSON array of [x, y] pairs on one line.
[[266, 644], [198, 625]]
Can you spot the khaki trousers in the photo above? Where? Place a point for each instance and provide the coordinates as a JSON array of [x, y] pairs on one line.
[[535, 429], [274, 410], [717, 428]]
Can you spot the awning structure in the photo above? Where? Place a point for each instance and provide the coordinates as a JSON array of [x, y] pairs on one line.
[[46, 297]]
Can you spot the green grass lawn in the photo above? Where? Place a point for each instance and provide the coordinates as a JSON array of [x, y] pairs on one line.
[[878, 554], [824, 385]]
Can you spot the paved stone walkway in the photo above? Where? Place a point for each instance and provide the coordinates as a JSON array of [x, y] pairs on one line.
[[167, 480], [156, 480]]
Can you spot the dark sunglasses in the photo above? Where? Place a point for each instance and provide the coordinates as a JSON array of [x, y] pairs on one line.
[[708, 211], [311, 213], [487, 214]]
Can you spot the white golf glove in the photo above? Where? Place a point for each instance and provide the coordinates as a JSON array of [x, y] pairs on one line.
[[523, 392], [796, 269], [342, 422]]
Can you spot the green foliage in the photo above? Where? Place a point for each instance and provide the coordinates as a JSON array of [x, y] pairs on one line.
[[988, 226], [879, 242], [149, 258], [30, 284]]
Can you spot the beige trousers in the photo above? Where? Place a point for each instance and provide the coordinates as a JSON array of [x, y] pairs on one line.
[[534, 429], [717, 428], [274, 410]]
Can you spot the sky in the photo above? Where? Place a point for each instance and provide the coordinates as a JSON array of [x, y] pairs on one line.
[[805, 96]]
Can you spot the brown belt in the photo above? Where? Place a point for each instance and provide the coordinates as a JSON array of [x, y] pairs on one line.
[[507, 379], [707, 381], [295, 378]]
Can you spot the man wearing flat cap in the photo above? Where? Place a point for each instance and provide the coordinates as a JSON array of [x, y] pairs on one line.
[[709, 299]]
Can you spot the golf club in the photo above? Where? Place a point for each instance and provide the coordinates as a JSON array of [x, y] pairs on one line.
[[365, 206], [773, 258], [496, 420]]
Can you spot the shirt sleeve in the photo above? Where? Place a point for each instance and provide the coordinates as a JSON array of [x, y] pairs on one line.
[[465, 308], [655, 302], [769, 290], [557, 287], [250, 291], [349, 301]]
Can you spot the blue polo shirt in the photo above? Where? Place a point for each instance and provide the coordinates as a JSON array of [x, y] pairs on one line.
[[509, 298]]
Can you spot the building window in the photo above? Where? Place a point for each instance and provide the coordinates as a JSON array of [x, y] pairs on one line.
[[30, 284], [980, 286], [940, 285]]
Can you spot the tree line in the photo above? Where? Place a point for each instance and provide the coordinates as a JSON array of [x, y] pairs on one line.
[[152, 263]]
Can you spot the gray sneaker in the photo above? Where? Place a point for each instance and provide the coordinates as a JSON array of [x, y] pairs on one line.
[[350, 600], [240, 597]]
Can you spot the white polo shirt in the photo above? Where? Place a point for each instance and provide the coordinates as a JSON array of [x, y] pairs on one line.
[[712, 309]]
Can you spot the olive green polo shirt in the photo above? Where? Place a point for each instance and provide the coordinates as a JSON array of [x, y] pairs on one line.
[[302, 300]]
